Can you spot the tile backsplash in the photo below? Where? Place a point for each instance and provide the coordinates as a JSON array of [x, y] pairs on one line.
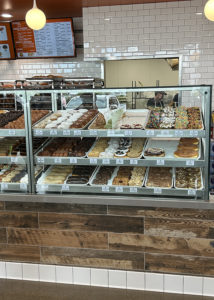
[[153, 30]]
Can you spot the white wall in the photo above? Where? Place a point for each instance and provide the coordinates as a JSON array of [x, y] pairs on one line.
[[75, 67], [154, 29]]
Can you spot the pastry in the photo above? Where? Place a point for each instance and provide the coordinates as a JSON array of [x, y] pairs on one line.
[[154, 152], [188, 178], [159, 177]]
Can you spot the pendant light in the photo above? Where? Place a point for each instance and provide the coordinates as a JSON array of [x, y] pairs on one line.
[[209, 10], [35, 18]]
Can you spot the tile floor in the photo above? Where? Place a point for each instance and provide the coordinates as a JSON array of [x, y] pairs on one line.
[[29, 290]]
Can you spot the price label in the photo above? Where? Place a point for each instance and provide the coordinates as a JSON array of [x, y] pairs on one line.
[[133, 161], [150, 132], [77, 132], [66, 132], [12, 132], [53, 132], [179, 133], [133, 190], [23, 186], [119, 161], [40, 160], [119, 189], [57, 160], [160, 162], [4, 186], [39, 132], [128, 133], [157, 190], [165, 132], [105, 189], [191, 192], [106, 161], [110, 133], [65, 187], [190, 162], [193, 133], [73, 160], [93, 161], [93, 132], [14, 160]]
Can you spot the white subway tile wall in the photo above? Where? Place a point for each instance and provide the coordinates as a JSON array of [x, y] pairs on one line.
[[154, 29], [168, 283], [75, 67]]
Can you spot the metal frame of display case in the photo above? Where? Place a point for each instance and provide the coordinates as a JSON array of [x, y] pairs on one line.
[[26, 160], [205, 92]]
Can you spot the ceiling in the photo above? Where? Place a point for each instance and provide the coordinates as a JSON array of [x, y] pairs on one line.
[[60, 8]]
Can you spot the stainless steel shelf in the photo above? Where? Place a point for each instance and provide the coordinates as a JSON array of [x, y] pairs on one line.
[[12, 132], [14, 187], [44, 160], [19, 160], [68, 188], [119, 133]]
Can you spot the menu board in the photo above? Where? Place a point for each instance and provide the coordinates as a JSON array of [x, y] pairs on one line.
[[55, 39], [6, 42]]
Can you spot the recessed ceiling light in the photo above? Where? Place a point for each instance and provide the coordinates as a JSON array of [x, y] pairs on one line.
[[199, 13], [6, 15], [107, 19]]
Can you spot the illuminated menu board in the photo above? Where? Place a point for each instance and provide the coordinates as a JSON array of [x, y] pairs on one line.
[[56, 39], [6, 42]]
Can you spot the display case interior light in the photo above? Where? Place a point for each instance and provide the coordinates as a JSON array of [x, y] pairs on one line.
[[35, 18], [209, 10]]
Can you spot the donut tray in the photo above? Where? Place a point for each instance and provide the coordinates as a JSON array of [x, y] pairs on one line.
[[177, 188], [152, 187], [169, 146]]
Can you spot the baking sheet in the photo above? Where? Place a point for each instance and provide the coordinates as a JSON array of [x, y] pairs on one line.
[[93, 177], [45, 174], [153, 187], [114, 157], [115, 174], [137, 116], [37, 123], [202, 183], [169, 146], [81, 184]]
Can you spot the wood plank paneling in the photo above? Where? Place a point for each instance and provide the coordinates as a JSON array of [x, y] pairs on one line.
[[179, 228], [158, 244], [56, 207], [91, 222], [93, 258], [1, 205], [3, 235], [59, 238], [179, 264], [19, 253], [18, 219], [159, 212]]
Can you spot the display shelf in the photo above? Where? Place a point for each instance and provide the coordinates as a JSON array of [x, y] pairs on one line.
[[19, 160], [172, 133], [14, 187], [50, 160], [12, 132], [118, 190]]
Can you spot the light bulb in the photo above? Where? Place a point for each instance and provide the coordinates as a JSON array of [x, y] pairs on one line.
[[209, 10], [35, 18]]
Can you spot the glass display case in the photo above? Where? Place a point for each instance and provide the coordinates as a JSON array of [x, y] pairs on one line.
[[92, 141], [97, 144]]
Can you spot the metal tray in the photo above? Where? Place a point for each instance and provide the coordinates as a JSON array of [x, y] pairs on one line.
[[202, 183], [95, 174], [153, 187], [169, 146], [140, 114], [115, 157], [115, 174]]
